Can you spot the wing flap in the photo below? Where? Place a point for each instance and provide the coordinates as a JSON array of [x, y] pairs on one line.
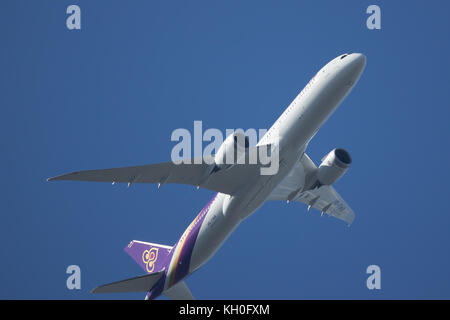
[[327, 200]]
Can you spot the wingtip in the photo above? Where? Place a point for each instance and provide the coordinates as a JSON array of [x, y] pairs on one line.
[[51, 178], [62, 176]]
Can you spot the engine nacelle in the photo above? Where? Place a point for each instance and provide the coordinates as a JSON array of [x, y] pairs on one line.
[[333, 166], [232, 149]]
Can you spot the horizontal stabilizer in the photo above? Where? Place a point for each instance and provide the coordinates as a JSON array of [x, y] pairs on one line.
[[137, 284], [180, 291]]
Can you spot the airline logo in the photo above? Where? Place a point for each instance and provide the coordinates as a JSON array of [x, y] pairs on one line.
[[149, 258]]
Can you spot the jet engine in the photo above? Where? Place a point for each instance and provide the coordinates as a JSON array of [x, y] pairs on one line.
[[232, 149], [333, 166]]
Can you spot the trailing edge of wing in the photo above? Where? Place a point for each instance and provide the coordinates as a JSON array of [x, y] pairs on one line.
[[138, 284], [327, 200]]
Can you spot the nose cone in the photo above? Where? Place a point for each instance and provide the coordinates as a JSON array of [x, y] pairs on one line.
[[357, 62], [351, 68]]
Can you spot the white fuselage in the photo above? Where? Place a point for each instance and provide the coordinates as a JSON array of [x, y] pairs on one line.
[[291, 133]]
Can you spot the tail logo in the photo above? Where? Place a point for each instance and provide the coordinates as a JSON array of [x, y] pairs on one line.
[[149, 258]]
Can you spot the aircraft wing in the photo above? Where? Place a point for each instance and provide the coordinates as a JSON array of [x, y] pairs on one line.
[[225, 181], [325, 199], [329, 202]]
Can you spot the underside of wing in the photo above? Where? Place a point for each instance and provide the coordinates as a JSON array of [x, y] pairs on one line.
[[328, 201], [325, 198], [226, 181]]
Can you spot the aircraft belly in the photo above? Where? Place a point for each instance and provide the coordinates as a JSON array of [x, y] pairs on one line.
[[218, 225], [215, 229]]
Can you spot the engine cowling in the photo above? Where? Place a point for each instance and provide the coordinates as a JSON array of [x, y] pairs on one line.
[[232, 149], [333, 166]]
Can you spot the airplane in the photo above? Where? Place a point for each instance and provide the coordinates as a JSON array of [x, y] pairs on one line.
[[241, 188]]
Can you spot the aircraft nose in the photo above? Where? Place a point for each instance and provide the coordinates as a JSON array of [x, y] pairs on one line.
[[352, 67], [358, 63]]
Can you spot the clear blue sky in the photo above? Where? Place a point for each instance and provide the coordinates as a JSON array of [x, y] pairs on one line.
[[112, 93]]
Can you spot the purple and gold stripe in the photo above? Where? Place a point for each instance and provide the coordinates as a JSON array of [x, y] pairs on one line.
[[179, 265]]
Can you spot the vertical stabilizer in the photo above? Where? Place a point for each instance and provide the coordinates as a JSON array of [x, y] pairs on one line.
[[151, 257]]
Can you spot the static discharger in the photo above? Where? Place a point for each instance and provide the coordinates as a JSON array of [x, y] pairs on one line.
[[162, 181], [324, 210], [294, 194], [312, 202], [132, 180]]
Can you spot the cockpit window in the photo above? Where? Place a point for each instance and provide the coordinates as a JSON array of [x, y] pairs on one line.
[[343, 56]]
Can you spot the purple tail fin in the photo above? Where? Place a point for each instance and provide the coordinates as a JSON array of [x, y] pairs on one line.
[[151, 257]]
